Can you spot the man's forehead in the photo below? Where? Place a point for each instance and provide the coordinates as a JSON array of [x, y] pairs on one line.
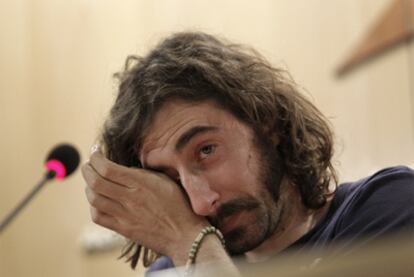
[[178, 114], [176, 117]]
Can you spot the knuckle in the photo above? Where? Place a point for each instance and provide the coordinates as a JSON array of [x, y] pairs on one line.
[[95, 216], [94, 184], [93, 199], [97, 219], [130, 205], [107, 171], [83, 170], [136, 191], [87, 192]]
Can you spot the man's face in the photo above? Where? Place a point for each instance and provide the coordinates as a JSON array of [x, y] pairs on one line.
[[214, 157]]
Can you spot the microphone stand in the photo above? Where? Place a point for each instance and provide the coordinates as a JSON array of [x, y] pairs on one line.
[[7, 220]]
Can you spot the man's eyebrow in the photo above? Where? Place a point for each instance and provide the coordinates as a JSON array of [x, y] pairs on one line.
[[189, 134]]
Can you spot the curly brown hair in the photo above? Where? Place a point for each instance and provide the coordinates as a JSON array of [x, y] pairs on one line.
[[196, 67]]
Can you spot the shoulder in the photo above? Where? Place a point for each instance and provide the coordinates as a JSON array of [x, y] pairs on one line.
[[386, 184], [390, 175], [378, 204], [370, 208]]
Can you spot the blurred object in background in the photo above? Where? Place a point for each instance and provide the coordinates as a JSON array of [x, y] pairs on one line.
[[96, 240]]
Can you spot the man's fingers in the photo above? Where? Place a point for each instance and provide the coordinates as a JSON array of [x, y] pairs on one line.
[[102, 186], [104, 204], [111, 171], [104, 219]]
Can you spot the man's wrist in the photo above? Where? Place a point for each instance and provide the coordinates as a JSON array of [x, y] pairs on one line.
[[210, 249], [195, 247]]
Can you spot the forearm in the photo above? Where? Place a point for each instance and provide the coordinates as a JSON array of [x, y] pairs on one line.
[[211, 258]]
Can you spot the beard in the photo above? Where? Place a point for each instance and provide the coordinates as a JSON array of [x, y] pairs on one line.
[[262, 214]]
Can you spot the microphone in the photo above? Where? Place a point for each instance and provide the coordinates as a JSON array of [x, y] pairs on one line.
[[61, 161]]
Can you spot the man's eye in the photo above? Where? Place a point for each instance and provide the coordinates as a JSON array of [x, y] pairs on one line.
[[207, 150]]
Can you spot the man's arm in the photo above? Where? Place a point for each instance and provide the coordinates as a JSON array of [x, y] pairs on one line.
[[150, 209]]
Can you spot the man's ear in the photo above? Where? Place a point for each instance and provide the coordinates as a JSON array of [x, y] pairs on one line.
[[271, 134], [275, 139]]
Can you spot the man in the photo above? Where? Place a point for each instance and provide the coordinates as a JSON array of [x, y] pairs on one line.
[[204, 133]]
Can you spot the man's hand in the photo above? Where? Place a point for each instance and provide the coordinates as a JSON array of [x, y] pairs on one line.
[[144, 206]]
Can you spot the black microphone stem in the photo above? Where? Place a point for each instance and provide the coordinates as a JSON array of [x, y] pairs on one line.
[[6, 221]]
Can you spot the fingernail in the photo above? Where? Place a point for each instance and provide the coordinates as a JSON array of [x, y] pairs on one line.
[[94, 148]]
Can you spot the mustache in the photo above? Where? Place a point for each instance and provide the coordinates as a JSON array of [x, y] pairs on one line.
[[233, 206]]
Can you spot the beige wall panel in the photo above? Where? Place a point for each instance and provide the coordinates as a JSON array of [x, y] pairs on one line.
[[57, 59], [374, 116], [15, 124]]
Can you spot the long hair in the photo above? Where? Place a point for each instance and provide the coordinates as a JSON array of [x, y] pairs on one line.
[[196, 67]]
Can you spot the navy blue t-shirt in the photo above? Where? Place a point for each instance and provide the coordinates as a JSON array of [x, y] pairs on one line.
[[363, 211], [360, 211]]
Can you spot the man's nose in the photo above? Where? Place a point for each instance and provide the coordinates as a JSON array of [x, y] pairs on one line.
[[203, 199]]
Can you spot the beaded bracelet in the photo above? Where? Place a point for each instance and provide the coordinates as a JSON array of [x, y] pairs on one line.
[[197, 243]]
